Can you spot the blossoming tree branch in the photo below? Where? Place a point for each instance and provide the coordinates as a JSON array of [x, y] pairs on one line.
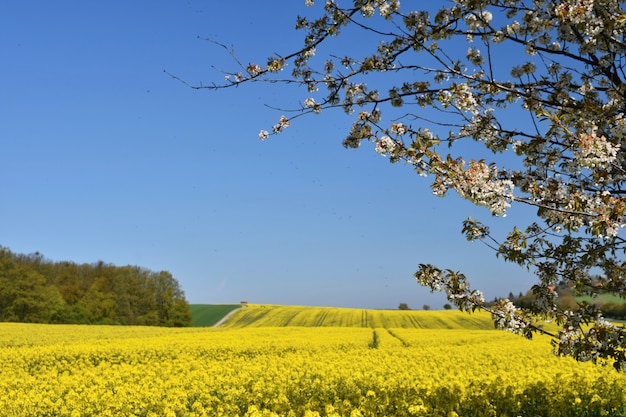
[[537, 82]]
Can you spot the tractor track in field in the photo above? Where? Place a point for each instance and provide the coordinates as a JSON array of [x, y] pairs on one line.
[[223, 319]]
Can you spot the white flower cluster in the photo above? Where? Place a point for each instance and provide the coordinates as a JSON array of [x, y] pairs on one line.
[[477, 297], [513, 28], [367, 10], [465, 299], [356, 93], [480, 20], [309, 52], [479, 184], [355, 90], [398, 129], [310, 103], [464, 98], [254, 69], [482, 128], [373, 117], [569, 339], [596, 340], [474, 56], [282, 124], [385, 8], [595, 151], [385, 145], [580, 12], [431, 276], [506, 317], [455, 285]]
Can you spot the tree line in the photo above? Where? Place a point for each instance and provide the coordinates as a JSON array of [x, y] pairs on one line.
[[566, 299], [37, 290]]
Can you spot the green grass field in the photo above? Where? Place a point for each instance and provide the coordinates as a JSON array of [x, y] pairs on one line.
[[602, 298], [204, 315]]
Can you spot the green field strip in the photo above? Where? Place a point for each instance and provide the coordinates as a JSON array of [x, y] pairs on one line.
[[206, 315]]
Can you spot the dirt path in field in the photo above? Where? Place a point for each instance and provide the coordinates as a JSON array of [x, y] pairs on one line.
[[223, 319]]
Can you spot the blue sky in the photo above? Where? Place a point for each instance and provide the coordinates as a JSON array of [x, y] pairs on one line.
[[105, 157]]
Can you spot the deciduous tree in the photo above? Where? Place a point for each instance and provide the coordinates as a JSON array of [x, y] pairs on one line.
[[536, 86], [33, 289]]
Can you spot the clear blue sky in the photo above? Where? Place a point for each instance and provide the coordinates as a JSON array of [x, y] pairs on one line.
[[105, 157]]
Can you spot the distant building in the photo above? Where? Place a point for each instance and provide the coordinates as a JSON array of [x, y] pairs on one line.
[[244, 303]]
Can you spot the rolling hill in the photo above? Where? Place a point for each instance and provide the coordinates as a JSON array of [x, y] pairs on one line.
[[263, 315]]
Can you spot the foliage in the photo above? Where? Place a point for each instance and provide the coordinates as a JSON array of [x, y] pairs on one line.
[[66, 370], [403, 306], [614, 310], [565, 299], [33, 289], [503, 101], [610, 306]]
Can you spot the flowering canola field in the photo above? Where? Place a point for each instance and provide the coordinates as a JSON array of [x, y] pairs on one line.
[[260, 315], [65, 370]]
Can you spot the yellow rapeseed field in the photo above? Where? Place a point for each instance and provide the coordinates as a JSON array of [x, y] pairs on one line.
[[70, 370], [259, 315]]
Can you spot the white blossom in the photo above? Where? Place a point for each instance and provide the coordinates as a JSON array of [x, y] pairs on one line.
[[282, 124], [486, 16], [385, 145], [475, 21], [506, 317], [254, 69], [595, 151], [385, 10], [367, 10], [531, 49], [473, 55], [480, 184], [582, 14], [513, 28], [398, 128], [464, 98]]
